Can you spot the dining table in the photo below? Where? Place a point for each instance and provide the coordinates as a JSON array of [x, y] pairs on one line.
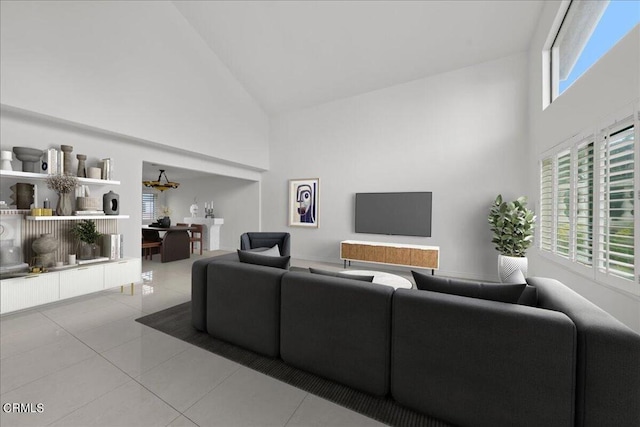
[[175, 242]]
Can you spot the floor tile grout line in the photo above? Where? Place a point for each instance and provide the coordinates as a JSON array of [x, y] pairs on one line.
[[131, 379], [89, 402], [217, 385], [73, 364], [296, 410], [73, 335], [50, 373]]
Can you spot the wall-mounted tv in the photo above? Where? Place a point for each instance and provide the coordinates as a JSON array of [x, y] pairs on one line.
[[403, 214]]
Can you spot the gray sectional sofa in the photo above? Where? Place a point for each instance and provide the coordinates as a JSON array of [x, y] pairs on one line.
[[468, 361]]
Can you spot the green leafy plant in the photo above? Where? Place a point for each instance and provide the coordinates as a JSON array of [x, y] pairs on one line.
[[512, 224], [86, 231]]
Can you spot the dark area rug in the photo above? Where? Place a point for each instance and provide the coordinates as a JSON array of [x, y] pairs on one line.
[[176, 321]]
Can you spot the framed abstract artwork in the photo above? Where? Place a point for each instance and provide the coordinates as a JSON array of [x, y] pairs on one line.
[[303, 202]]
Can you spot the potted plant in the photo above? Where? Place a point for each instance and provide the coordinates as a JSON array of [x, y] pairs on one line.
[[512, 224], [88, 235]]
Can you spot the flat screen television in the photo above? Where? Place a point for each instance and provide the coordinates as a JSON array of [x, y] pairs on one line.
[[403, 214]]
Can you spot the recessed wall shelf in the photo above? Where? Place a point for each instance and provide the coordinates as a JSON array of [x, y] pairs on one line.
[[43, 176]]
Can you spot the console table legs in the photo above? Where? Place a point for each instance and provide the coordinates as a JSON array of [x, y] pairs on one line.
[[122, 289]]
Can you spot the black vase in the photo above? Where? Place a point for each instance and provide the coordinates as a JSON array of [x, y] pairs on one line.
[[165, 222]]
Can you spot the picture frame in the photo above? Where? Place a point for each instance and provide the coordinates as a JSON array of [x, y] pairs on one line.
[[304, 202]]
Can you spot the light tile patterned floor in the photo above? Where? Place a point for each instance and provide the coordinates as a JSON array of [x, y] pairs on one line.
[[89, 363]]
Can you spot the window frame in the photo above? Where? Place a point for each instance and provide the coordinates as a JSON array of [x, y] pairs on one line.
[[155, 206], [551, 55], [627, 116]]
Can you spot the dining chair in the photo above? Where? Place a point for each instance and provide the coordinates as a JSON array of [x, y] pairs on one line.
[[196, 236]]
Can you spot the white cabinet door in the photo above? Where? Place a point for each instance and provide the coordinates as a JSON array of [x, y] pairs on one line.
[[122, 272], [81, 280], [29, 291]]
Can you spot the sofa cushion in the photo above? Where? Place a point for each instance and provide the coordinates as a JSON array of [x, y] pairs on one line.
[[243, 305], [474, 362], [273, 251], [339, 274], [265, 260], [502, 292], [337, 328]]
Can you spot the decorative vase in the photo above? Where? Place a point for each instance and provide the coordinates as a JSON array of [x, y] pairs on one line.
[[22, 195], [165, 222], [45, 247], [512, 269], [87, 250], [82, 171], [111, 203], [65, 204], [5, 160], [66, 156]]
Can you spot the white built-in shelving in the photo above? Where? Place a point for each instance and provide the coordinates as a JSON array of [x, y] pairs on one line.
[[74, 217], [43, 176]]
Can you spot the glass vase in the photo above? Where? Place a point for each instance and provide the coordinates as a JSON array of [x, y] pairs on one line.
[[87, 250]]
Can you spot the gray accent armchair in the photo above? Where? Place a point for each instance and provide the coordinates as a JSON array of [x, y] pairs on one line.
[[266, 240]]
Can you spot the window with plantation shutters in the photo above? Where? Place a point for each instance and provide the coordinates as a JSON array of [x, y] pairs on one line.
[[583, 201], [563, 204], [149, 206], [589, 186], [616, 230], [546, 204]]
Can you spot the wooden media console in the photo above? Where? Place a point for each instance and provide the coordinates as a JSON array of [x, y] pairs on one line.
[[390, 253]]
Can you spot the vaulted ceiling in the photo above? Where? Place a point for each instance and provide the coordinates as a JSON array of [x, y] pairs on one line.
[[296, 54]]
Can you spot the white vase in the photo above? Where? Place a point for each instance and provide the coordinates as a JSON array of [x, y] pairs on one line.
[[512, 269], [5, 160]]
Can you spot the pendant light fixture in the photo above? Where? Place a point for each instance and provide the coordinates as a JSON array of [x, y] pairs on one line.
[[159, 184]]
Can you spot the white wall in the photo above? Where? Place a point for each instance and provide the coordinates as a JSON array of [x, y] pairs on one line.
[[610, 85], [235, 200], [136, 68], [18, 128], [461, 135]]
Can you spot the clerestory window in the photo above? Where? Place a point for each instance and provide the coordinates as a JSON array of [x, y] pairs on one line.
[[588, 30]]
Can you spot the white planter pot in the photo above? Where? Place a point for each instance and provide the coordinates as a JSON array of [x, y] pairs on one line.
[[512, 269]]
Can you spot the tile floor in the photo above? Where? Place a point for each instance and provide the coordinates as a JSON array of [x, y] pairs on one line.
[[90, 364]]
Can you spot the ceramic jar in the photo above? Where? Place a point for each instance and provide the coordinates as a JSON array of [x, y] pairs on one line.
[[165, 222], [66, 155], [111, 203], [22, 195], [45, 247], [5, 160], [82, 170], [65, 204]]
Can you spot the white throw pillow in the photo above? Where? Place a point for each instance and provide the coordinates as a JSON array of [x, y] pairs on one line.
[[274, 251]]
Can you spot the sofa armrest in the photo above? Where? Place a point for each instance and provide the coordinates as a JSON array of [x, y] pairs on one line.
[[608, 358], [245, 242], [199, 288], [482, 363]]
